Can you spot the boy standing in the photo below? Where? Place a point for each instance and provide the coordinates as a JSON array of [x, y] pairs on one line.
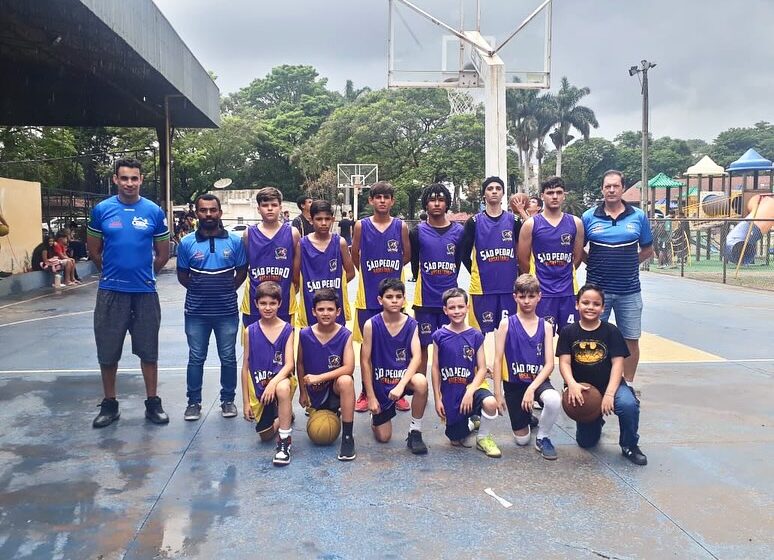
[[523, 364], [435, 259], [322, 261], [593, 351], [271, 247], [325, 365], [459, 372], [555, 240], [389, 358], [267, 372], [380, 249]]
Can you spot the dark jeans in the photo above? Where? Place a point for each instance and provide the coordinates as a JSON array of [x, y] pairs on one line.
[[197, 330], [627, 408]]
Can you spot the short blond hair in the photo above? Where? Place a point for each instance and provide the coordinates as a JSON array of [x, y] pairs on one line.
[[526, 284]]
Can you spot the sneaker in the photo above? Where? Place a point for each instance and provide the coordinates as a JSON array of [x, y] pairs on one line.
[[193, 412], [282, 454], [536, 405], [347, 449], [546, 448], [475, 423], [415, 443], [635, 455], [108, 413], [489, 447], [402, 404], [361, 405], [533, 421], [228, 409], [154, 412]]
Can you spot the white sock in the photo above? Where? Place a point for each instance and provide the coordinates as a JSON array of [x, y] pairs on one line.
[[486, 425], [552, 403], [523, 440], [416, 424], [283, 434]]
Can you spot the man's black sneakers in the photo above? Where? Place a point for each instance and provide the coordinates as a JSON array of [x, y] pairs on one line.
[[347, 449], [193, 412], [415, 444], [108, 413], [635, 455], [154, 412]]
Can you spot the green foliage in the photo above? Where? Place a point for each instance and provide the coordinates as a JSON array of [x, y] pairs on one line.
[[732, 143]]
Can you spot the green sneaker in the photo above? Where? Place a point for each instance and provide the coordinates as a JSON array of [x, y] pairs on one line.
[[488, 446]]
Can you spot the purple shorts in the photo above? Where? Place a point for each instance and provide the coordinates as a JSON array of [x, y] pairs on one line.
[[558, 310], [488, 310], [428, 323]]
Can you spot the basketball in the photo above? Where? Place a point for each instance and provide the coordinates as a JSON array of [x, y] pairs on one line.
[[323, 427], [3, 230], [590, 410]]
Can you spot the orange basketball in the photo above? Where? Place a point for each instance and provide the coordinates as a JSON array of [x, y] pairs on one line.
[[590, 410], [323, 427]]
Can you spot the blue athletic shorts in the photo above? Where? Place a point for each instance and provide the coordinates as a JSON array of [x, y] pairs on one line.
[[486, 311], [428, 323], [558, 310], [628, 313], [460, 429]]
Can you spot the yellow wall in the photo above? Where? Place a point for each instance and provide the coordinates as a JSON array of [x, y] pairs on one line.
[[21, 208]]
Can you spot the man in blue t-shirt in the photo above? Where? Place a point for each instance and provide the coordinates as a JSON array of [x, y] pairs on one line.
[[211, 264], [128, 240], [619, 238]]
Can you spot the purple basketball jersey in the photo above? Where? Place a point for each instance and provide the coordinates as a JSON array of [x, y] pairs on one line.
[[320, 358], [266, 358], [271, 260], [457, 360], [494, 255], [552, 249], [524, 355], [381, 256], [321, 269], [437, 263], [390, 357]]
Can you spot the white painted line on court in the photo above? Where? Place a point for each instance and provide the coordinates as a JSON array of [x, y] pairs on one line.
[[48, 295], [723, 361], [95, 370], [45, 318]]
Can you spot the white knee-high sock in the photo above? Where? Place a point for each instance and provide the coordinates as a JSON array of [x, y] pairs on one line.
[[552, 402], [486, 425]]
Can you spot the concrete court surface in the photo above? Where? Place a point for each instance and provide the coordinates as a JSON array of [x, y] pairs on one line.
[[207, 489]]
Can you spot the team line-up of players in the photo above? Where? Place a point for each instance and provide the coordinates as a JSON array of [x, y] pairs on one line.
[[524, 313]]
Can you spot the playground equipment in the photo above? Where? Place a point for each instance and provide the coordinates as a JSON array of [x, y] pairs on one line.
[[718, 204], [741, 240]]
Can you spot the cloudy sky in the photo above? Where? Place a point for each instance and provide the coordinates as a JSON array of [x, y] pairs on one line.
[[715, 57]]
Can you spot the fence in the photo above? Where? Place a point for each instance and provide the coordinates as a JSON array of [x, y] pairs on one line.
[[732, 251]]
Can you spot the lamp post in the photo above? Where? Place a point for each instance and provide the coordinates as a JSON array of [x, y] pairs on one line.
[[645, 190]]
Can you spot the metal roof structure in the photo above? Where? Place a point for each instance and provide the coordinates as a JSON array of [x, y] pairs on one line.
[[705, 167], [99, 63], [750, 161], [662, 180]]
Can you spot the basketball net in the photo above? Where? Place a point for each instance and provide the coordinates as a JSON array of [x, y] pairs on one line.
[[460, 102]]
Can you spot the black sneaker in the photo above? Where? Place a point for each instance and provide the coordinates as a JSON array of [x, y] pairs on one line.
[[415, 443], [154, 412], [193, 412], [282, 454], [347, 449], [228, 409], [108, 413], [635, 455], [533, 421]]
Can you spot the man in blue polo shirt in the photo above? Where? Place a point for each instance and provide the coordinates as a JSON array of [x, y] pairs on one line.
[[619, 238], [211, 264]]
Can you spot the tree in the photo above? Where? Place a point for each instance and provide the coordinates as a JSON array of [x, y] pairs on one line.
[[570, 115], [734, 142], [584, 165], [522, 109]]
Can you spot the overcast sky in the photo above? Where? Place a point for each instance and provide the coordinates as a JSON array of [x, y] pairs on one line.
[[715, 57]]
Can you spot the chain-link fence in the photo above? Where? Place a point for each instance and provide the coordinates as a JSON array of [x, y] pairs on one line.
[[732, 251]]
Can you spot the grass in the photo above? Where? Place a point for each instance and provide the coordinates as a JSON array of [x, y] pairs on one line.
[[757, 276]]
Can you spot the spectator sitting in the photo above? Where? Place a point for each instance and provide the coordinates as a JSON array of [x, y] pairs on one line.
[[60, 250], [77, 247]]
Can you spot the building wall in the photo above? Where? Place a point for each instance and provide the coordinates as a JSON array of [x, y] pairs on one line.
[[239, 206], [20, 206]]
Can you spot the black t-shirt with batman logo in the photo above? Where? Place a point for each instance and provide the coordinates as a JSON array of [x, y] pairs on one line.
[[592, 352]]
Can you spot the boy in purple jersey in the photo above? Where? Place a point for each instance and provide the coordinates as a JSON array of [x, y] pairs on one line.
[[555, 241], [325, 364], [271, 247], [380, 249], [389, 358], [267, 373], [459, 372], [524, 360], [322, 261], [435, 262]]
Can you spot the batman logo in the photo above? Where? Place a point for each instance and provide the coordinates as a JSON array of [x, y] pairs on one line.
[[589, 352]]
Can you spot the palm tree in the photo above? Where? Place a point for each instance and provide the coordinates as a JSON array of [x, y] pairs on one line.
[[522, 108], [570, 115], [545, 120]]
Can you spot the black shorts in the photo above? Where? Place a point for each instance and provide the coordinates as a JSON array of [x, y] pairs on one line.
[[386, 415], [269, 414], [514, 394], [139, 313], [460, 429], [332, 402]]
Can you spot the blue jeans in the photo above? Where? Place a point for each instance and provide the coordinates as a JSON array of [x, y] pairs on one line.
[[197, 330], [628, 313], [627, 408]]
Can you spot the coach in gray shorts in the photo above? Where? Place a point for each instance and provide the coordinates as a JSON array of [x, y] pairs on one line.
[[128, 240]]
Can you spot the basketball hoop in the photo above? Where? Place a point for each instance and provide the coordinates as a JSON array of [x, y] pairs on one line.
[[460, 102]]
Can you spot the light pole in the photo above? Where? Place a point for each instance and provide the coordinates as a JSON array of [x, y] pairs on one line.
[[644, 190]]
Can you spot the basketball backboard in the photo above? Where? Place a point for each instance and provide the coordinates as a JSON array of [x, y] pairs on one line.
[[432, 52]]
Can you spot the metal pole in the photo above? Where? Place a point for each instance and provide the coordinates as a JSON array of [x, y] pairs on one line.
[[645, 188], [168, 164]]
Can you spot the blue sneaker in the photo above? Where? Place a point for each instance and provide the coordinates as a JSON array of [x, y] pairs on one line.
[[546, 448]]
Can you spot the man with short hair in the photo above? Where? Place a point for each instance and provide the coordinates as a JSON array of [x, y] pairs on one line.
[[303, 222], [128, 240], [211, 264], [620, 238]]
